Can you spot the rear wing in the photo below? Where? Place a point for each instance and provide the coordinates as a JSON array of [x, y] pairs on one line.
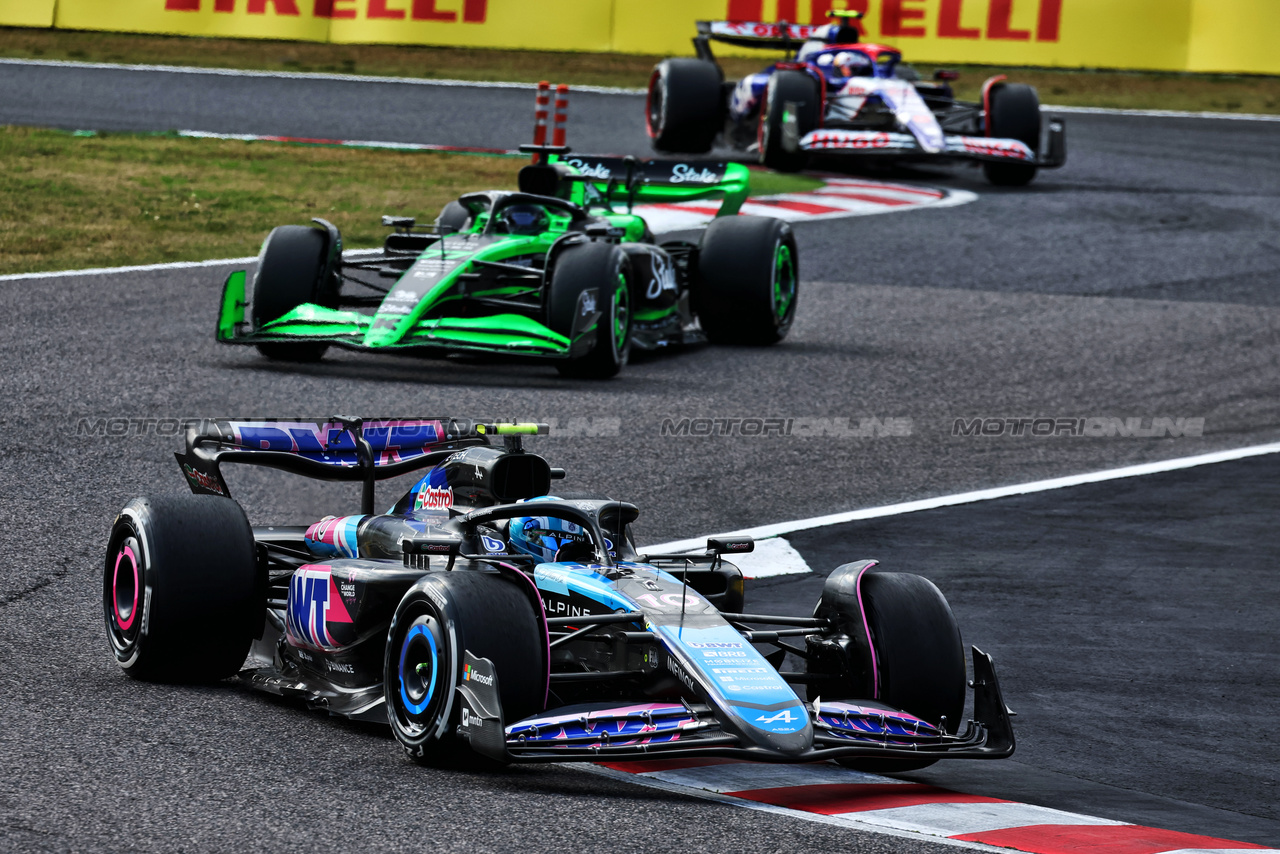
[[758, 34], [333, 449], [626, 179]]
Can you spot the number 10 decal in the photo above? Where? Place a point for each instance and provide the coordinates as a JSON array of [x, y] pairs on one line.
[[671, 599]]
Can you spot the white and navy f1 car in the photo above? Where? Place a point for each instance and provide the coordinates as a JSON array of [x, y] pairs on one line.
[[836, 95], [485, 611]]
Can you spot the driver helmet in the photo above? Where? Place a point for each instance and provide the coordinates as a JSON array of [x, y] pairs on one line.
[[524, 219], [544, 537], [850, 62]]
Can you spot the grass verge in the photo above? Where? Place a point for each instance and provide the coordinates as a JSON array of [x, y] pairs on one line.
[[1118, 89], [70, 202]]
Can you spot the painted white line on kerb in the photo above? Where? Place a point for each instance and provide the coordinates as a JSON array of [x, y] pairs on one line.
[[780, 528], [848, 821], [504, 84]]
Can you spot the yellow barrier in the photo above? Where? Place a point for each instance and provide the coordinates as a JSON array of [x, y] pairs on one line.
[[544, 24], [1167, 35], [299, 20], [26, 13], [1083, 33]]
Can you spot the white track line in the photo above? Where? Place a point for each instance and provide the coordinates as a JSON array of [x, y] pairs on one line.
[[1161, 114], [780, 528], [309, 75], [149, 268], [502, 84]]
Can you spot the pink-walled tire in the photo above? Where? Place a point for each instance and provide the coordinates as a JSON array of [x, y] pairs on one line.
[[180, 588]]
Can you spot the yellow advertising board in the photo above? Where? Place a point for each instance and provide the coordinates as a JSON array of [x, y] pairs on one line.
[[1235, 35], [1164, 35], [298, 20], [519, 24], [26, 13], [1083, 33]]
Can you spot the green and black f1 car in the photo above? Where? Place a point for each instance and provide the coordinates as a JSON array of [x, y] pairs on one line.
[[563, 270]]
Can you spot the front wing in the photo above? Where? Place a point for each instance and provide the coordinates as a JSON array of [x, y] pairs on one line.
[[985, 148], [511, 334], [650, 730]]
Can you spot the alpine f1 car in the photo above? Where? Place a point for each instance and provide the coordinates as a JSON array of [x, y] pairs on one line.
[[487, 613], [835, 95], [563, 269]]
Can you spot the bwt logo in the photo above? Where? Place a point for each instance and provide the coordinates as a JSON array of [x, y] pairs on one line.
[[471, 11], [1004, 20]]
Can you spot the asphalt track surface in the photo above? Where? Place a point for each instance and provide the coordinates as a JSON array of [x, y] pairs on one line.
[[1133, 624]]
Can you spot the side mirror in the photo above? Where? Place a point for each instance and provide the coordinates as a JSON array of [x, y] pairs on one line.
[[731, 545], [432, 547]]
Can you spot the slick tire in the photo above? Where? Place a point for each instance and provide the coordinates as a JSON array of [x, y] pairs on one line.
[[747, 280], [777, 151], [442, 615], [180, 591], [1015, 114], [603, 268], [919, 656], [291, 271], [685, 110]]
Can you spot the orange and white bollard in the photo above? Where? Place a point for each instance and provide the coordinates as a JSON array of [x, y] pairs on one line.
[[562, 106], [540, 113]]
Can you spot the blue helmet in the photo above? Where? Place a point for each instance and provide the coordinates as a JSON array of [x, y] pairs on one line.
[[544, 537]]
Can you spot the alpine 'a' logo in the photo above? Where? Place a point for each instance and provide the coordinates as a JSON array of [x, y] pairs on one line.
[[784, 715]]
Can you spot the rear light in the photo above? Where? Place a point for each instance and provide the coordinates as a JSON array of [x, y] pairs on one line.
[[946, 74]]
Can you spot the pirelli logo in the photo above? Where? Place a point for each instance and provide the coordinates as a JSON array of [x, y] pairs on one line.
[[448, 11]]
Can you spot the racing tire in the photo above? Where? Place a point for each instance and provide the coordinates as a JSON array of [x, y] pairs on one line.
[[180, 588], [747, 280], [442, 615], [795, 87], [604, 268], [1015, 114], [685, 109], [454, 217], [291, 271], [919, 656]]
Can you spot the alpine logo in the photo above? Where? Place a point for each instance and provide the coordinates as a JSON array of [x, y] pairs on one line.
[[433, 498], [784, 715], [314, 602]]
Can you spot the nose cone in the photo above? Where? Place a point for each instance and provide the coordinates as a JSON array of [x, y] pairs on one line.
[[386, 329], [753, 700]]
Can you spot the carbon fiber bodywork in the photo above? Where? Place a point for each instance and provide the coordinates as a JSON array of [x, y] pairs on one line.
[[645, 655]]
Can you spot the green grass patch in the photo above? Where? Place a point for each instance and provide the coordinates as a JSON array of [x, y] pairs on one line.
[[70, 201], [1119, 89], [766, 183]]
